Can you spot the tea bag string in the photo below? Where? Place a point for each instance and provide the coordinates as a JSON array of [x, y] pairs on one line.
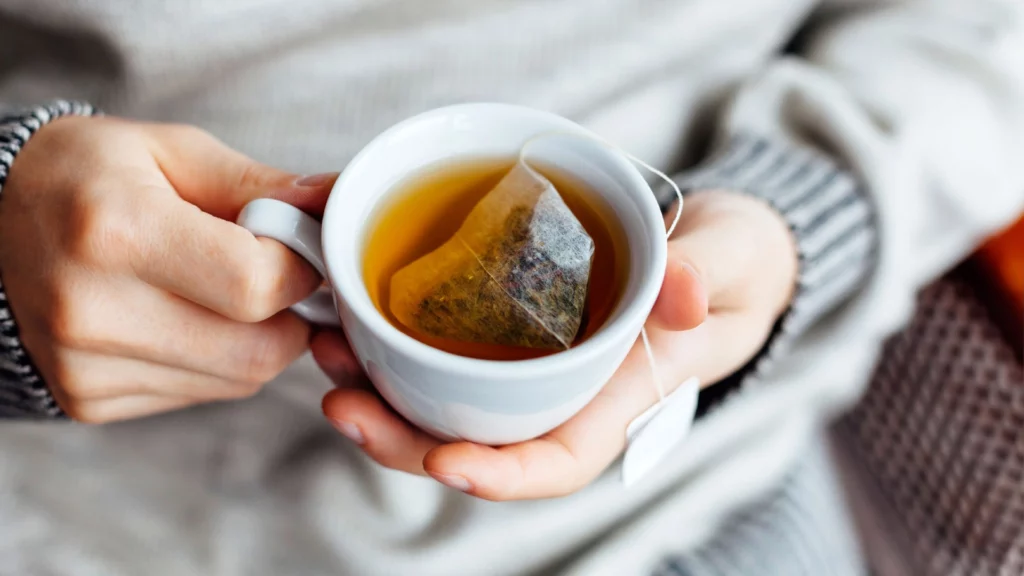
[[658, 385]]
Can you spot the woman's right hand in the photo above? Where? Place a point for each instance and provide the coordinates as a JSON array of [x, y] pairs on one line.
[[134, 291]]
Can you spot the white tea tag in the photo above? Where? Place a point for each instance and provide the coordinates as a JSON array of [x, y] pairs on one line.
[[653, 434]]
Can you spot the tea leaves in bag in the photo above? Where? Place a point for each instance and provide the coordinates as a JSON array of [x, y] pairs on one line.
[[515, 273]]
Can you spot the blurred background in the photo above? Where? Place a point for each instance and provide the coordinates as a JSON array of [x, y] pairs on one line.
[[932, 458]]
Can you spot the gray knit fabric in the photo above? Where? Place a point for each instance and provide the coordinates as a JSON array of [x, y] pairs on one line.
[[23, 394], [829, 214], [803, 529]]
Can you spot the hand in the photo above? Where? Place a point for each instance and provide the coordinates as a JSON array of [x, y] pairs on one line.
[[134, 291], [732, 268]]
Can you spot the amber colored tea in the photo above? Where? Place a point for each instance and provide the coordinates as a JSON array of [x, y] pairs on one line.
[[425, 210]]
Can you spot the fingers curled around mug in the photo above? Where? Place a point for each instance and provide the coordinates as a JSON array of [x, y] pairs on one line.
[[133, 320], [541, 468], [222, 266], [335, 357], [110, 410], [208, 173], [362, 417], [87, 376]]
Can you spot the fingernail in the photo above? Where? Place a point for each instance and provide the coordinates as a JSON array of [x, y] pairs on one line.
[[316, 179], [692, 271], [350, 431], [453, 481]]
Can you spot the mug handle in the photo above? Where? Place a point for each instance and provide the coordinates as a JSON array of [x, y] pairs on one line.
[[300, 232]]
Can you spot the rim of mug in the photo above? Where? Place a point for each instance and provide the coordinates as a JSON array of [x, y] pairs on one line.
[[356, 296]]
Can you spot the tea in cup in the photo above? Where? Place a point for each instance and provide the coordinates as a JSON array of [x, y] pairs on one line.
[[406, 194]]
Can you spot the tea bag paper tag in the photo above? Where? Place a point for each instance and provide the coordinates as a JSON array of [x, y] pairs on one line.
[[653, 434]]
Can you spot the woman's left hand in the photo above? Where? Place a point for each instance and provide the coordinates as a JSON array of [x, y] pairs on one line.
[[731, 272]]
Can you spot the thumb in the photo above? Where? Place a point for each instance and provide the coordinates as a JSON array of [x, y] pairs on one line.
[[220, 181], [682, 303], [737, 248]]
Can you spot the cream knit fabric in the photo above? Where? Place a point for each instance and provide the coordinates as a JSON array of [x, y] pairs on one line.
[[924, 101]]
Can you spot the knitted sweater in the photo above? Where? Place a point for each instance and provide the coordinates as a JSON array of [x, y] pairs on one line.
[[889, 135]]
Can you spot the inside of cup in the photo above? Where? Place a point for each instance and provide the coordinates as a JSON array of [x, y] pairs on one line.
[[562, 155], [426, 143]]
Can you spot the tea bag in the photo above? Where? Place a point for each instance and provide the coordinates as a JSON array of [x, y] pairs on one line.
[[652, 435], [515, 273]]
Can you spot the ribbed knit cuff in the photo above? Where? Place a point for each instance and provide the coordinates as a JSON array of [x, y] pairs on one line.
[[831, 218], [23, 394]]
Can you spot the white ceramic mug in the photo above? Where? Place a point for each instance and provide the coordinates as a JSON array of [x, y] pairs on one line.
[[450, 396]]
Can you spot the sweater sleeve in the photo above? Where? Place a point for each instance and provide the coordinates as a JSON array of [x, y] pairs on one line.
[[830, 216], [23, 393], [891, 140]]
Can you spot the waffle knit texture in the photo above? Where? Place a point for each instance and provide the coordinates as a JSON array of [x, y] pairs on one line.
[[939, 441]]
